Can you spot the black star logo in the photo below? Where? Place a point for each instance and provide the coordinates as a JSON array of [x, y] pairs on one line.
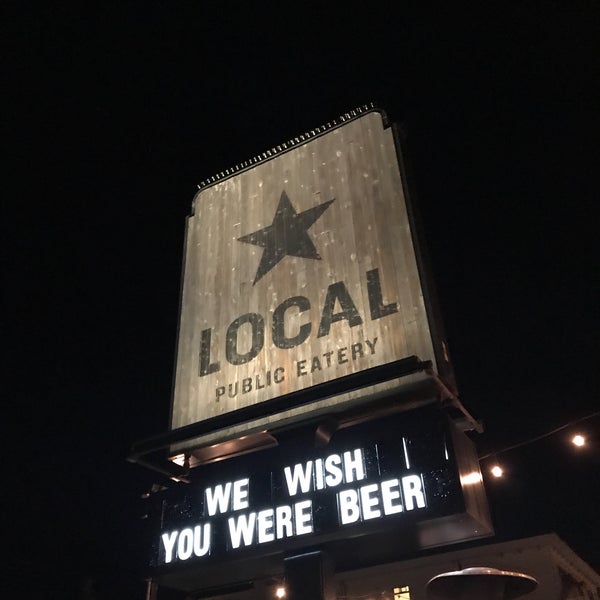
[[287, 235]]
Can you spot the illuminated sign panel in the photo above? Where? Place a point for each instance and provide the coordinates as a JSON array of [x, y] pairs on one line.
[[299, 271], [246, 527], [409, 476]]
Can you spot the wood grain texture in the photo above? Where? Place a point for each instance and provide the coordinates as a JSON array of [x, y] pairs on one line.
[[365, 228]]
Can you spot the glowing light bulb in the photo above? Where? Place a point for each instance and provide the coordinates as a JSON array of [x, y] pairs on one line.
[[280, 592], [497, 471], [578, 440]]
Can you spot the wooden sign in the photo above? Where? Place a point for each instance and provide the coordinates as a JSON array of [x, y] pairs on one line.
[[298, 271]]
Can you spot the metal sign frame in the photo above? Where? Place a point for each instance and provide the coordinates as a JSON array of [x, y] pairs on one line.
[[448, 506]]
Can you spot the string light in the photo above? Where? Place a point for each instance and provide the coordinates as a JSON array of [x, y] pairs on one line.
[[497, 471], [580, 439]]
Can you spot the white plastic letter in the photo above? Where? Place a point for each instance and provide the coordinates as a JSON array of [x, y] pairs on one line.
[[218, 499], [319, 474], [202, 539], [390, 491], [369, 501], [354, 466], [334, 472], [168, 540], [265, 526], [284, 521], [303, 517], [240, 494], [241, 528], [348, 506], [301, 475], [412, 487], [185, 544]]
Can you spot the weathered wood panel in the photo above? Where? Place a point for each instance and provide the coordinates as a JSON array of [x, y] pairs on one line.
[[364, 230]]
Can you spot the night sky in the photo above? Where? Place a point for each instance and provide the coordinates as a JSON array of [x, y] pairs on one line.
[[114, 112]]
